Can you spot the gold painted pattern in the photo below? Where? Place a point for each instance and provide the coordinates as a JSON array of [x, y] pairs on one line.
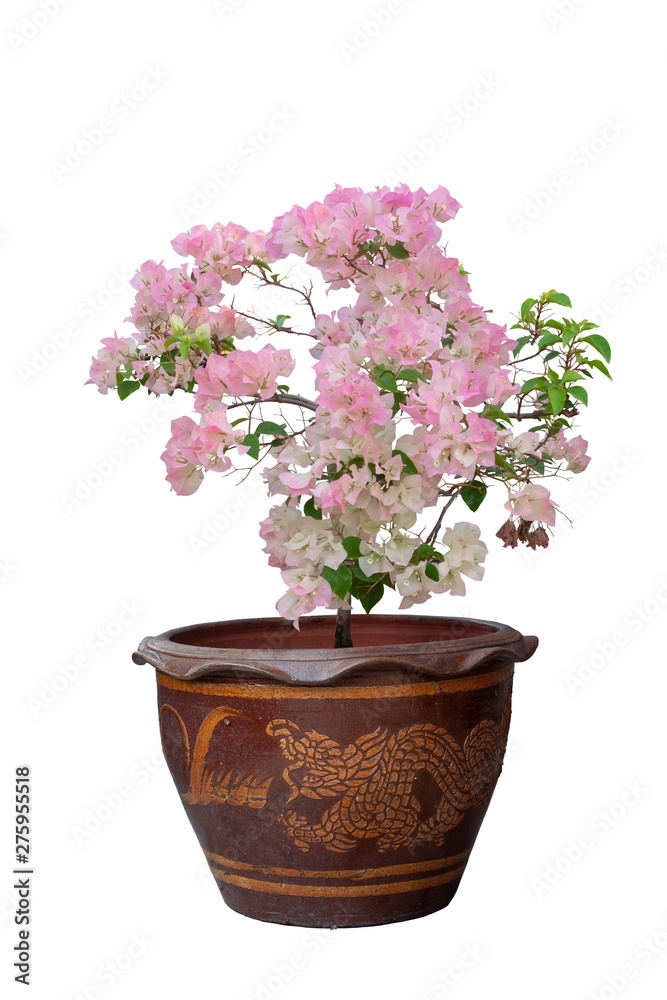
[[247, 689], [379, 889], [372, 780], [342, 873]]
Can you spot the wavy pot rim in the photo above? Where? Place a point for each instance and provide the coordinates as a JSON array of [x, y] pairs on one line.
[[485, 642]]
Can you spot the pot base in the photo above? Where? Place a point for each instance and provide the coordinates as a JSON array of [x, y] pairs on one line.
[[336, 916]]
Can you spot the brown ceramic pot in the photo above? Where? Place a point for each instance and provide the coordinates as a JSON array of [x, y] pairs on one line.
[[336, 787]]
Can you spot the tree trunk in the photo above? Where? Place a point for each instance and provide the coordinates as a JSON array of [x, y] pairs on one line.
[[343, 635]]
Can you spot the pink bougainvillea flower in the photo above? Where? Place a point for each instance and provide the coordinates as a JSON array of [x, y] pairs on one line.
[[243, 373], [533, 503], [116, 353], [575, 453], [181, 457], [405, 396]]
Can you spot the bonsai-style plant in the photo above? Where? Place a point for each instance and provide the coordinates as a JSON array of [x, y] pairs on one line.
[[419, 399], [376, 762]]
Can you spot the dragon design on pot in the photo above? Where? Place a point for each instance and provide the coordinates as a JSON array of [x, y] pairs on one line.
[[373, 781]]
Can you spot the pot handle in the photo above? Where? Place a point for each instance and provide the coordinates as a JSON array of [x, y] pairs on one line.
[[515, 652], [145, 654], [525, 647]]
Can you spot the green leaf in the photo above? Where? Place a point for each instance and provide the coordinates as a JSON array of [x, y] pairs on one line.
[[473, 494], [387, 381], [269, 427], [557, 398], [261, 263], [587, 325], [126, 389], [398, 250], [533, 383], [408, 465], [547, 340], [594, 363], [252, 442], [550, 356], [369, 248], [284, 388], [310, 510], [600, 344], [281, 319], [338, 579], [502, 463], [431, 572], [554, 324], [496, 414], [375, 372], [184, 348], [411, 375], [352, 546], [526, 306], [399, 397], [520, 344], [360, 575], [560, 298], [570, 376], [371, 597], [424, 551], [579, 393]]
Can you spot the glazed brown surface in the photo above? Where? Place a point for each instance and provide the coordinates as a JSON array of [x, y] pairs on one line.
[[344, 804], [406, 646], [318, 632]]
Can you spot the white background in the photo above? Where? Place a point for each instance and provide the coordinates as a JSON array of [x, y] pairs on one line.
[[520, 93]]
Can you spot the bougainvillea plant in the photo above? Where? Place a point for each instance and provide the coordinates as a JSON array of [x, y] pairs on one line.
[[419, 399]]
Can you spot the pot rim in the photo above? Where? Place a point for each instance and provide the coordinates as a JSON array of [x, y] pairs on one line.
[[455, 657]]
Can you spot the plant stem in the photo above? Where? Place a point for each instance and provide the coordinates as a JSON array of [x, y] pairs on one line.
[[538, 414], [438, 524], [279, 397], [343, 634]]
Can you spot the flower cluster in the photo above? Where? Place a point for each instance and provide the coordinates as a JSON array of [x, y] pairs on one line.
[[420, 400]]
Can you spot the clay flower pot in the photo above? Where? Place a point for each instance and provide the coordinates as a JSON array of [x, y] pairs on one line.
[[336, 787]]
